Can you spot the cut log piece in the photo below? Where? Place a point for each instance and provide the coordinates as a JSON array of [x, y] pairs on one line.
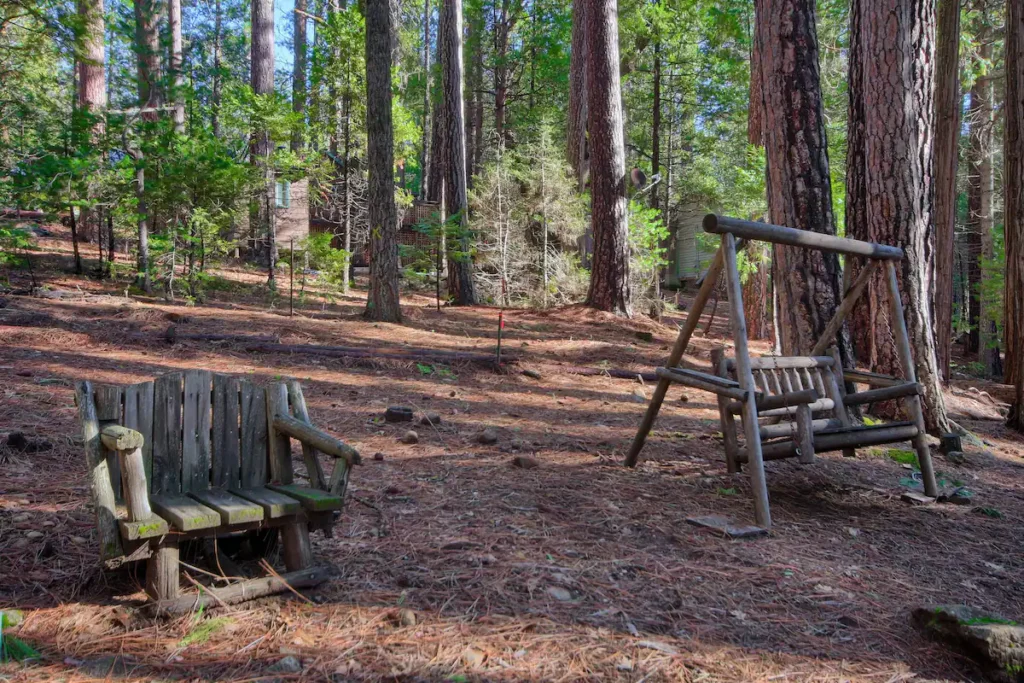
[[242, 591]]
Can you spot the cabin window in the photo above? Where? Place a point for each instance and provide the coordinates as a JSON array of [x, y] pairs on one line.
[[283, 194]]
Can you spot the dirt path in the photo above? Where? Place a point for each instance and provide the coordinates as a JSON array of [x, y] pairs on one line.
[[578, 569]]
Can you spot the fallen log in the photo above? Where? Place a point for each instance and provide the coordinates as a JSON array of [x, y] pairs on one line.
[[616, 373], [172, 335], [406, 354], [242, 591]]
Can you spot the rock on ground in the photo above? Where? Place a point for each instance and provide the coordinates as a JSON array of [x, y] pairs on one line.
[[995, 643]]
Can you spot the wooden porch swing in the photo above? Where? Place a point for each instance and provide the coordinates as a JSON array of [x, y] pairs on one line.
[[793, 406]]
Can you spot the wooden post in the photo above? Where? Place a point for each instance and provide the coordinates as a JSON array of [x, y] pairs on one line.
[[127, 443], [845, 306], [720, 365], [804, 434], [99, 475], [745, 377], [309, 452], [162, 570], [836, 390], [682, 341], [912, 403], [291, 279]]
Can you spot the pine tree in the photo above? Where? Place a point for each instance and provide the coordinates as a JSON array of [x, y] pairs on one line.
[[461, 289], [894, 85], [609, 274], [382, 303], [1013, 177], [948, 103]]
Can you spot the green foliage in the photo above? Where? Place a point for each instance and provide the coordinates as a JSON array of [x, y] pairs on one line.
[[14, 242], [328, 261], [13, 649], [202, 630], [903, 457]]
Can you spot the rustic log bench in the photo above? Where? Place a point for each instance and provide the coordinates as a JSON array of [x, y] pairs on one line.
[[196, 455], [802, 406]]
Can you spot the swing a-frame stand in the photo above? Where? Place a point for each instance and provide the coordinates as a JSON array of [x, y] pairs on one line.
[[793, 406]]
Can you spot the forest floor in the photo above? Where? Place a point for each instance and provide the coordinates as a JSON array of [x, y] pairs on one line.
[[578, 569]]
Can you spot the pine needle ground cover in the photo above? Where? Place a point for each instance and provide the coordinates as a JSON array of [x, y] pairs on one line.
[[453, 564]]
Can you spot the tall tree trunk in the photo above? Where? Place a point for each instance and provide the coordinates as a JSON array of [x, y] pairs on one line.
[[948, 102], [425, 132], [299, 72], [972, 238], [262, 74], [175, 67], [576, 133], [382, 302], [504, 24], [757, 294], [473, 45], [439, 154], [92, 78], [1013, 176], [799, 186], [609, 274], [217, 50], [856, 183], [981, 212], [755, 115], [147, 47], [656, 120], [460, 261], [896, 40]]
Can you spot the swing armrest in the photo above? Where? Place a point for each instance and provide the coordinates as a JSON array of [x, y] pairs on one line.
[[720, 386]]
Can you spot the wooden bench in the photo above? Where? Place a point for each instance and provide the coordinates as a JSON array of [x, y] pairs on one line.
[[802, 406], [197, 455]]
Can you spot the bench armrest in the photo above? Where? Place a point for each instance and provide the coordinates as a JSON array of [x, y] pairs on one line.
[[320, 440], [118, 438]]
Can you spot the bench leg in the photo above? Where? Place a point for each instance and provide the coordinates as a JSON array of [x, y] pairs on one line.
[[298, 554], [162, 570], [805, 434]]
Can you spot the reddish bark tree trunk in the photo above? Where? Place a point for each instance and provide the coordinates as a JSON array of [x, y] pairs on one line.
[[299, 71], [1013, 175], [382, 302], [176, 66], [948, 102], [460, 261], [609, 275], [897, 41], [262, 75], [799, 185], [576, 135]]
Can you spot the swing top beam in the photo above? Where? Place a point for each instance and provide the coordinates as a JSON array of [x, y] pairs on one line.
[[800, 238]]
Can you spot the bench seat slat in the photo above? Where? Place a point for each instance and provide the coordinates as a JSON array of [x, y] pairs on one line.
[[313, 500], [274, 504], [185, 514], [232, 508]]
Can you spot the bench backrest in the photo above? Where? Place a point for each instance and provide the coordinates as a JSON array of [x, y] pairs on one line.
[[780, 375], [201, 430]]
